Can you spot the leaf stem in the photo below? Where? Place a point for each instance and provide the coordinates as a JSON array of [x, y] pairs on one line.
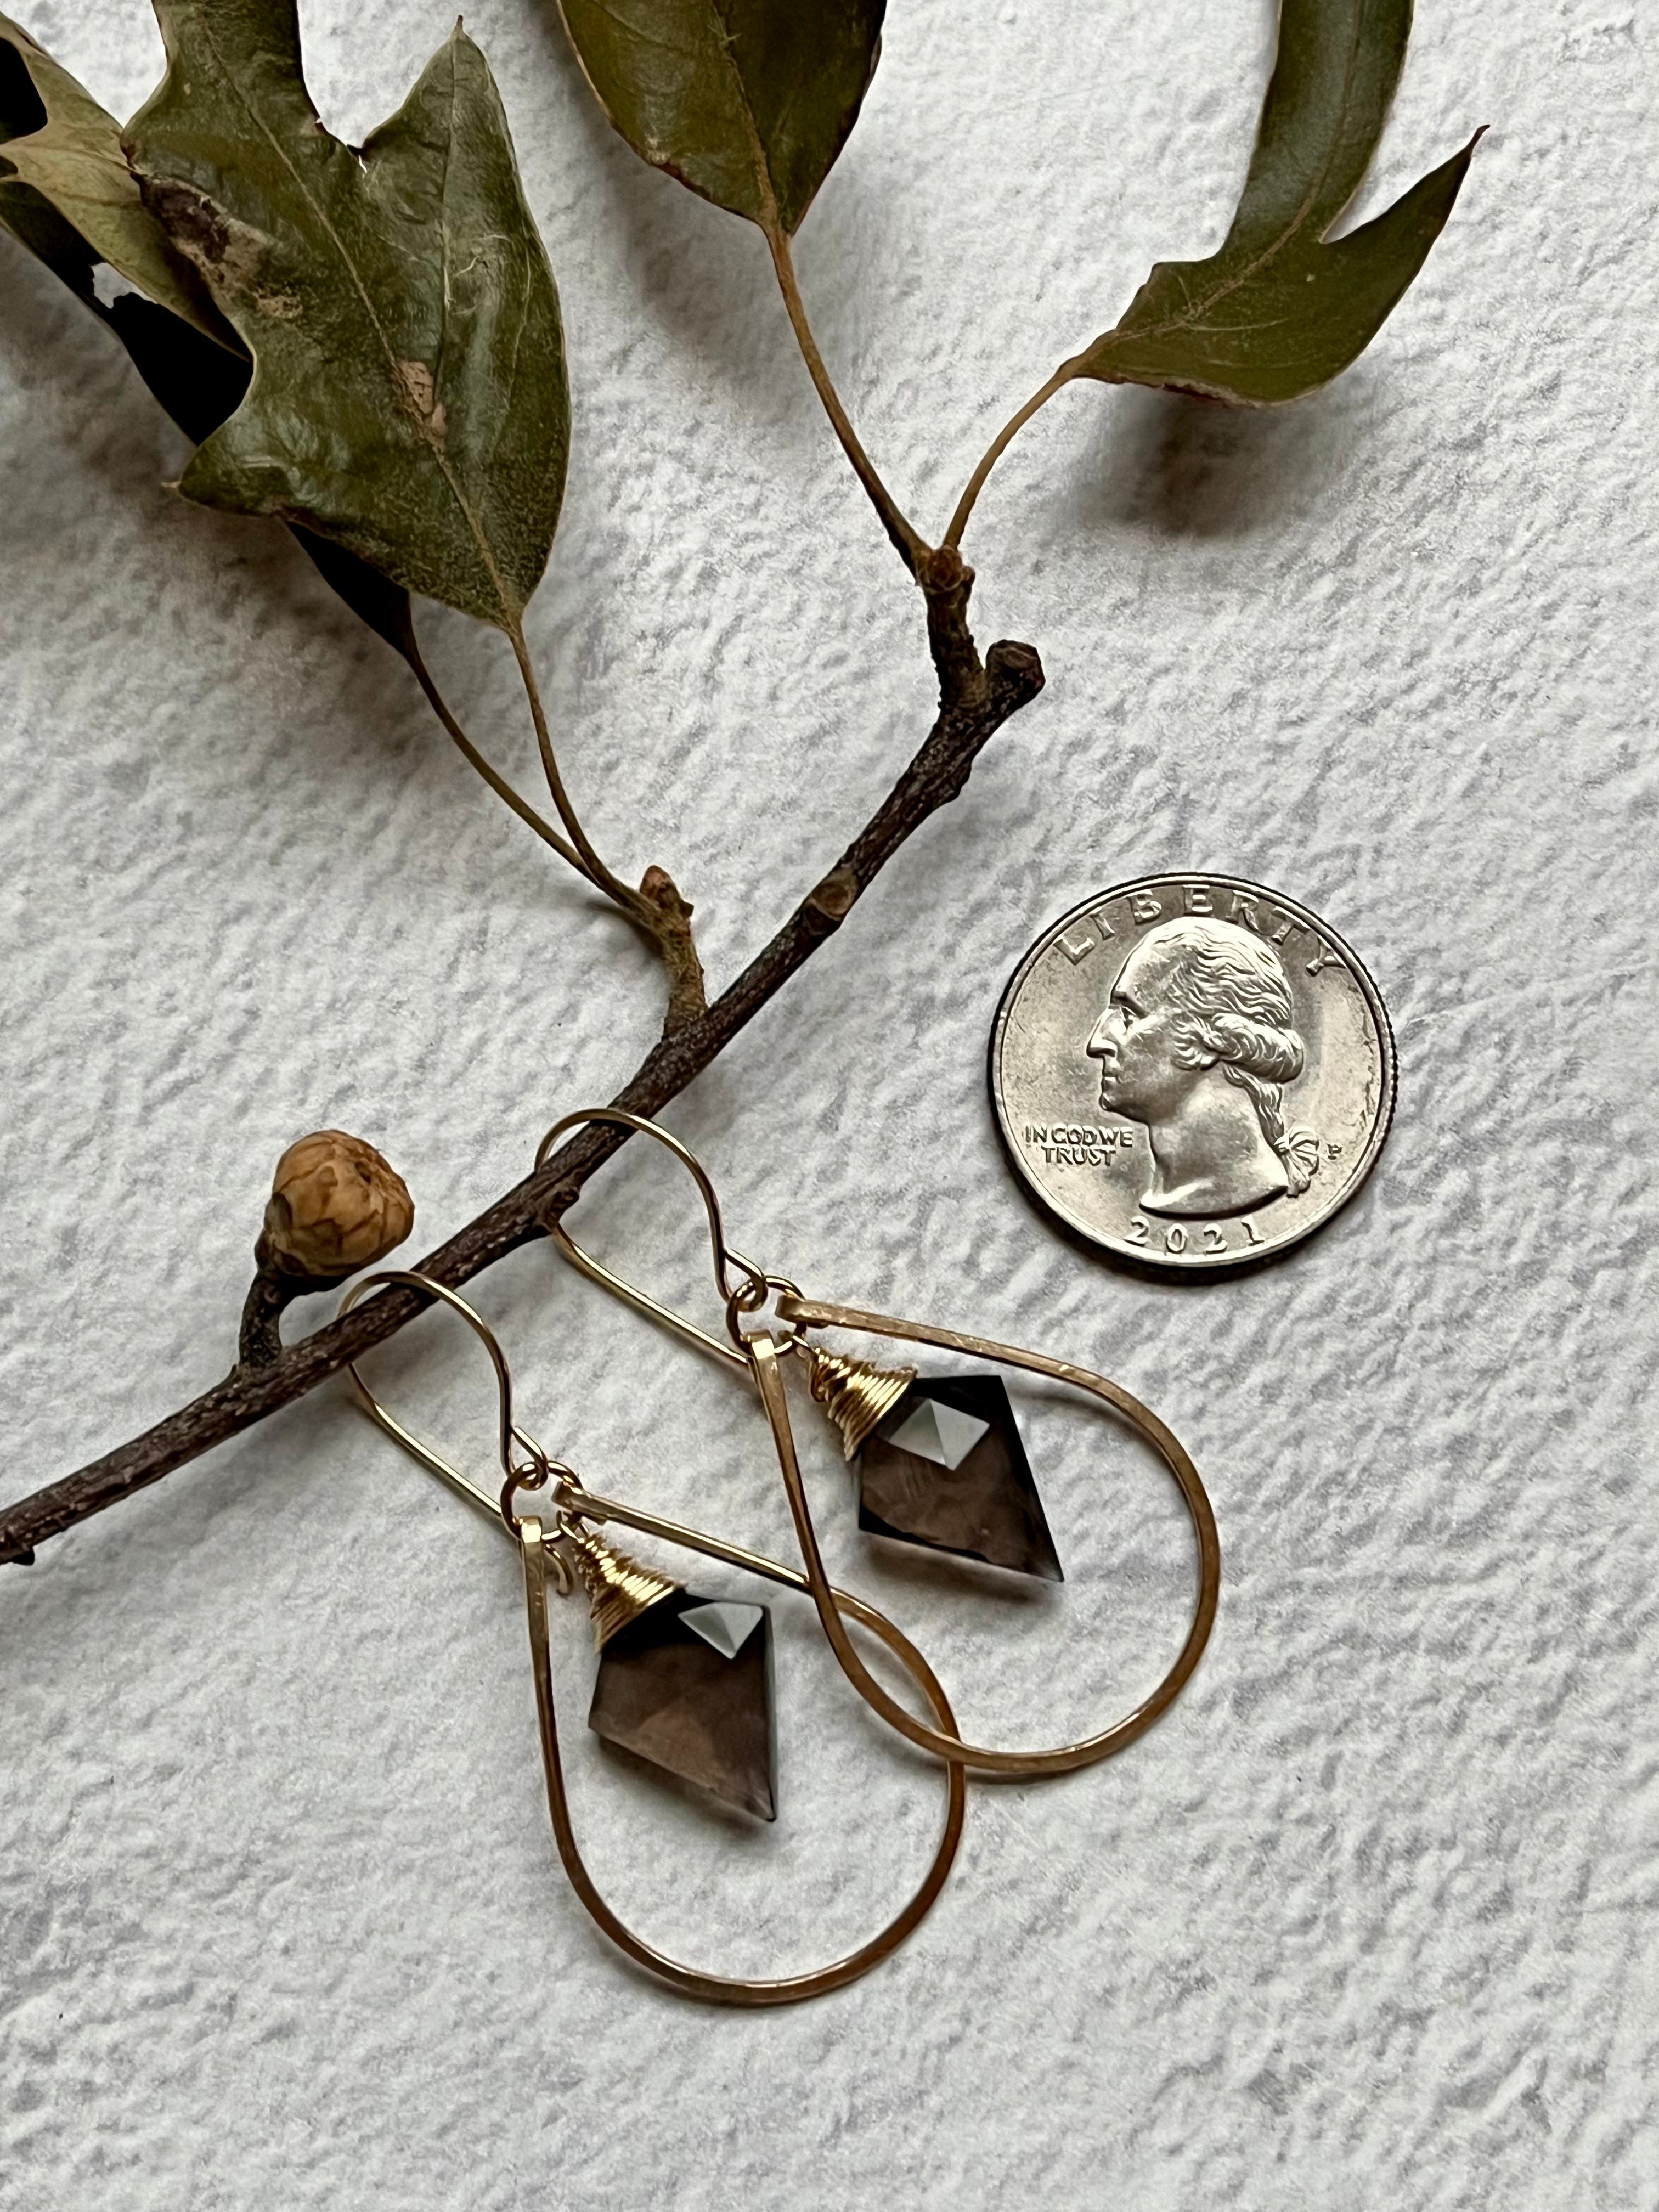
[[657, 908], [1005, 437], [910, 545], [584, 858], [497, 783]]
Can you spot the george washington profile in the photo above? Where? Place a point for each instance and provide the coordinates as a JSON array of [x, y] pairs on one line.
[[1196, 1043]]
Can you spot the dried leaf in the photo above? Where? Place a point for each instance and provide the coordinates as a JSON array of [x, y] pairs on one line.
[[200, 382], [747, 101], [63, 158], [409, 403], [1277, 312], [198, 378]]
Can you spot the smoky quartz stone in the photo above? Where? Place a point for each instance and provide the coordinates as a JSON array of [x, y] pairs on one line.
[[946, 1468], [687, 1684]]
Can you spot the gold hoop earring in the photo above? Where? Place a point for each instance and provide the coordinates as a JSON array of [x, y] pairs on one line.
[[623, 1596], [927, 1433]]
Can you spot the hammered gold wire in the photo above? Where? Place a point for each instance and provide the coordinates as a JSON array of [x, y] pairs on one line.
[[756, 1355], [1062, 1758], [581, 1505]]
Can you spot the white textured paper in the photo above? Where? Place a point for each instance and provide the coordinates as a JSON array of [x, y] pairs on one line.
[[1369, 1921]]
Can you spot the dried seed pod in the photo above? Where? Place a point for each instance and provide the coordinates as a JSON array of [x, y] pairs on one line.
[[336, 1206]]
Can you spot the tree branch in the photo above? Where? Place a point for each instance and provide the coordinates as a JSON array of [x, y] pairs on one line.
[[974, 699]]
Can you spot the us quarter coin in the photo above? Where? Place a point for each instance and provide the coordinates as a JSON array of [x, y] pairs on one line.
[[1192, 1071]]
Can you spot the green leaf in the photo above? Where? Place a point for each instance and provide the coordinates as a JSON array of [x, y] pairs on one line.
[[747, 101], [373, 598], [409, 401], [1277, 311], [66, 191]]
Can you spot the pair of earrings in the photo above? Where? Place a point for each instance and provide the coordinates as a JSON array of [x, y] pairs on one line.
[[684, 1680]]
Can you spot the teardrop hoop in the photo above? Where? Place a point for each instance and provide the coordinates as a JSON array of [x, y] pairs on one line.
[[849, 1388], [804, 1314], [724, 1989]]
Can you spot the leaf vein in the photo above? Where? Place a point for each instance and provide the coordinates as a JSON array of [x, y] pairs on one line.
[[399, 389], [1290, 231], [725, 39]]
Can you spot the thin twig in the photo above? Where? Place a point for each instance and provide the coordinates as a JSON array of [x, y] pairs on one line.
[[259, 1339], [688, 997], [1005, 437], [975, 700], [273, 1290], [911, 545]]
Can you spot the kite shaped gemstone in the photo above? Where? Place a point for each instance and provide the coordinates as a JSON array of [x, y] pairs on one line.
[[946, 1468], [687, 1684]]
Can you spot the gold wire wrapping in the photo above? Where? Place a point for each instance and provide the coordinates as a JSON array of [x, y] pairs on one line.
[[854, 1392], [619, 1590]]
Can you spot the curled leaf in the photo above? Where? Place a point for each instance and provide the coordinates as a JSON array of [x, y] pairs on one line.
[[198, 379], [62, 159], [62, 168], [410, 402], [747, 101], [1276, 311]]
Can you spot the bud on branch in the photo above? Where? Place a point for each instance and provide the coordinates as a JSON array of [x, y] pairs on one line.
[[336, 1206]]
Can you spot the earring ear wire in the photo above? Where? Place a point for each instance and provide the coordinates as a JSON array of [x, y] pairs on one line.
[[747, 1294], [510, 1436]]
